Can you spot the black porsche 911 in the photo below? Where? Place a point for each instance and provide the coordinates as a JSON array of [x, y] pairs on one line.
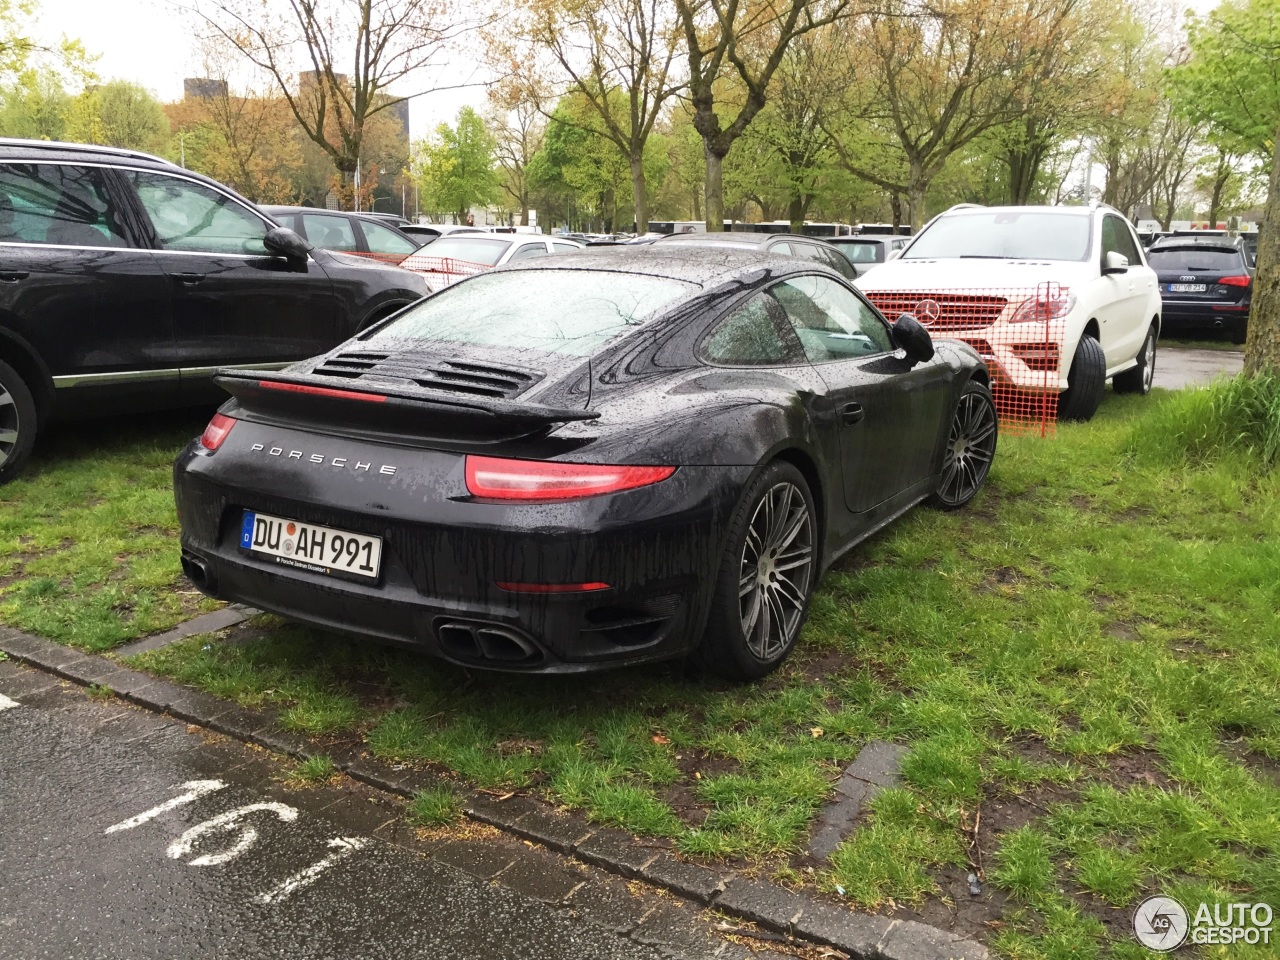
[[626, 455]]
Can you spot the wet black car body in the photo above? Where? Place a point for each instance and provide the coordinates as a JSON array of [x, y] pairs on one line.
[[125, 281], [696, 410], [1206, 283]]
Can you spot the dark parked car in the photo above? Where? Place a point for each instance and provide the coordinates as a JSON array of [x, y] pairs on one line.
[[580, 462], [786, 244], [126, 280], [865, 252], [1206, 283], [360, 233]]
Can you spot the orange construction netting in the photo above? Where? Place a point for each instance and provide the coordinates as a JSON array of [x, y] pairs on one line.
[[1018, 332], [456, 269]]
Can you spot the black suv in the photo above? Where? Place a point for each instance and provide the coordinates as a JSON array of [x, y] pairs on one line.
[[1206, 283], [125, 281]]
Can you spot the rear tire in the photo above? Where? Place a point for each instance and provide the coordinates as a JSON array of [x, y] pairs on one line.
[[1139, 379], [1085, 382], [766, 577], [1240, 333], [17, 423]]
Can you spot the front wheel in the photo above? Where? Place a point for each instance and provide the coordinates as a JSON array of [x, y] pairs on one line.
[[17, 423], [971, 447], [1140, 378], [766, 577], [1085, 382]]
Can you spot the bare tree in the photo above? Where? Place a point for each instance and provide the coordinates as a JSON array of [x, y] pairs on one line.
[[518, 129], [739, 45], [617, 54], [334, 61]]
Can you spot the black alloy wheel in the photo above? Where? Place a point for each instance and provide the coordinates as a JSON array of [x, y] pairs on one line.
[[766, 577], [17, 422], [970, 449]]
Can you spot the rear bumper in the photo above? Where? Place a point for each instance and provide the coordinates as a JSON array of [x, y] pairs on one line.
[[657, 548], [1203, 315]]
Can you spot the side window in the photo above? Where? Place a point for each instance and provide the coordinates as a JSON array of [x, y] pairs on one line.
[[1116, 236], [329, 232], [831, 322], [383, 240], [190, 216], [783, 248], [754, 335], [528, 251], [564, 247], [51, 203], [838, 262]]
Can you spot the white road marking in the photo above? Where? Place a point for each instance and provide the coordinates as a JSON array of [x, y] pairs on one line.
[[7, 704], [343, 847], [227, 821], [195, 789]]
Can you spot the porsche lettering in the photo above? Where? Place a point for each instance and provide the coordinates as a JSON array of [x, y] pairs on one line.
[[360, 466]]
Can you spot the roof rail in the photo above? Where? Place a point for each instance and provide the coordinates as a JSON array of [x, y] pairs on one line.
[[965, 206], [95, 148]]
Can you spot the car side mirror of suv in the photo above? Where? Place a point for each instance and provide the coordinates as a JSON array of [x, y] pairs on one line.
[[285, 243], [910, 334], [893, 255], [1115, 262]]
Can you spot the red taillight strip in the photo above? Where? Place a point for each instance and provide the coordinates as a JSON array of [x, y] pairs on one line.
[[322, 391], [511, 587], [1242, 281], [216, 432], [495, 478]]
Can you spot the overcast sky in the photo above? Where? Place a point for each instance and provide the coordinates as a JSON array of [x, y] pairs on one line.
[[150, 42]]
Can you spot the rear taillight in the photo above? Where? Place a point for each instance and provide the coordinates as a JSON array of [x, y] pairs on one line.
[[591, 587], [492, 478], [1044, 308], [217, 431], [322, 391], [1242, 281]]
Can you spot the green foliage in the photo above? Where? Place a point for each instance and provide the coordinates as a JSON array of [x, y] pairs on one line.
[[120, 114], [435, 807], [1237, 418], [455, 168], [1231, 80]]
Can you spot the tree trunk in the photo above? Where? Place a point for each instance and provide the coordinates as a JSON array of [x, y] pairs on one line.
[[524, 213], [795, 213], [895, 207], [915, 197], [1262, 352], [1215, 198], [640, 193], [715, 191]]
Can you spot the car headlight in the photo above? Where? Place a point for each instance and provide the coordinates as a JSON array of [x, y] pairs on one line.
[[1045, 305]]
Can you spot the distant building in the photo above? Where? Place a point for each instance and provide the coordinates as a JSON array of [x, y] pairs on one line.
[[203, 88]]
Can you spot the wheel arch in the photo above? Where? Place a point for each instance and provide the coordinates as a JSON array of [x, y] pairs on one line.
[[1092, 329], [19, 354], [802, 461]]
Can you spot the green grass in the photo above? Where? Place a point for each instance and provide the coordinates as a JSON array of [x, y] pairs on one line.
[[1094, 644], [313, 769], [436, 807], [88, 535]]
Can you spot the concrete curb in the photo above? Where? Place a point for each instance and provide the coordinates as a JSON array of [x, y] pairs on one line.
[[865, 936]]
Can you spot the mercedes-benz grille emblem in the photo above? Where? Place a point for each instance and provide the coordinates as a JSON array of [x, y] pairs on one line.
[[928, 312]]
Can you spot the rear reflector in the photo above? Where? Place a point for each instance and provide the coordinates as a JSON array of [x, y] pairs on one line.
[[492, 478], [217, 430], [1243, 281], [552, 587], [322, 391]]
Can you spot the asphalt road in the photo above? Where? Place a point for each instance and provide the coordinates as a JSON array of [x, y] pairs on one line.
[[1178, 367], [124, 835]]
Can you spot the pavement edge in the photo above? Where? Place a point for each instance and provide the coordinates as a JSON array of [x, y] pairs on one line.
[[774, 908]]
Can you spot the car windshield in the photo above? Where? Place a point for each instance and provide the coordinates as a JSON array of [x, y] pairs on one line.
[[1004, 235], [486, 250], [560, 311], [1195, 259]]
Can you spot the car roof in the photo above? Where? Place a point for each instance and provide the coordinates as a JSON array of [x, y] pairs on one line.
[[15, 148], [1197, 243], [705, 265], [279, 208], [732, 238]]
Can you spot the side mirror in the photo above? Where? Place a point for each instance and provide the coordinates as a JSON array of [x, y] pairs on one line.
[[893, 255], [1115, 263], [913, 338], [285, 243]]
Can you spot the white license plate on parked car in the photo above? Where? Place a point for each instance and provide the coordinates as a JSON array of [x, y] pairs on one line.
[[1186, 288], [306, 546]]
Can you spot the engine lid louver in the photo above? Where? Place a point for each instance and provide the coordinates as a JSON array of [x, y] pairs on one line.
[[449, 376]]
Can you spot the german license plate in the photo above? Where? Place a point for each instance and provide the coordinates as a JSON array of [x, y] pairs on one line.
[[1186, 288], [305, 546]]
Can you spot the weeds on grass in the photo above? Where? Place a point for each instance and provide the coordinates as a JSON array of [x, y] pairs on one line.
[[313, 769], [435, 807], [1238, 416]]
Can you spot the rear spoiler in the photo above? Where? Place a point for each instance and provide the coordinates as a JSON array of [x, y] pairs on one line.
[[388, 408]]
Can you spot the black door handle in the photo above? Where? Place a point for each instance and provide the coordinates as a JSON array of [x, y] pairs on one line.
[[190, 279], [851, 413], [13, 276]]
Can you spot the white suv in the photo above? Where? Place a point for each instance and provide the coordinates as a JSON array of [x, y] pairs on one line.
[[984, 274]]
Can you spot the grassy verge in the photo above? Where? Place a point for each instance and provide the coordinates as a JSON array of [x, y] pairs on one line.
[[88, 535], [1085, 664]]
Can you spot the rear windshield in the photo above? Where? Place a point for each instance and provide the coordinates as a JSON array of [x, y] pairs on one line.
[[860, 252], [486, 250], [1005, 234], [1195, 259], [560, 311]]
